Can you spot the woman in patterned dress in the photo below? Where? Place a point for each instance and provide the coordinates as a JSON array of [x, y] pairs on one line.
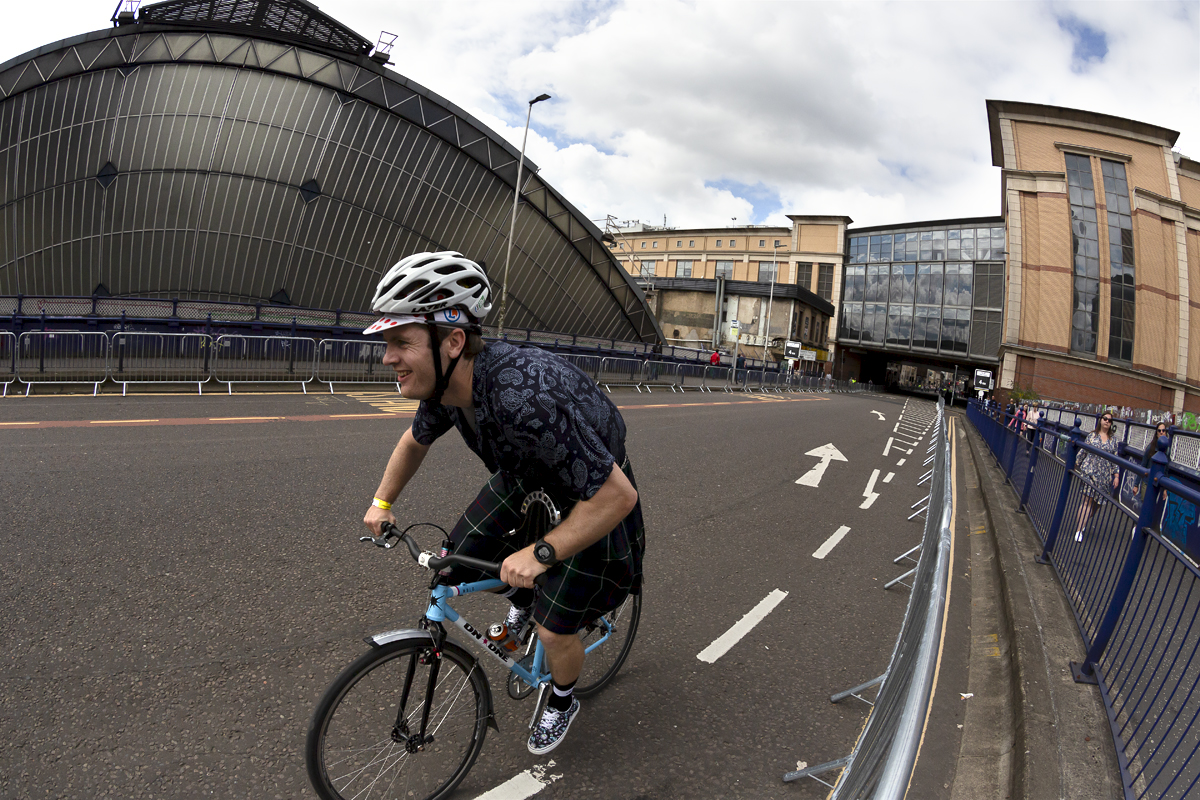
[[1097, 471]]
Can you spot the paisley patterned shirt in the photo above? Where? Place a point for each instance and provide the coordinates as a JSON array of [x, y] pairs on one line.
[[538, 417]]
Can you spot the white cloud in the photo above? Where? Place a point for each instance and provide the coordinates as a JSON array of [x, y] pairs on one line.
[[704, 111]]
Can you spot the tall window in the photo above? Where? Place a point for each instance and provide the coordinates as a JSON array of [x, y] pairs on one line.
[[855, 282], [825, 281], [851, 321], [762, 242], [733, 242], [1085, 248], [858, 250], [804, 275], [1120, 250], [881, 247], [902, 283], [647, 269], [683, 269], [768, 271], [725, 270]]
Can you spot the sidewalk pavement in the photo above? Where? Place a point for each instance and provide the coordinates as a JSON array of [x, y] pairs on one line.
[[1032, 733]]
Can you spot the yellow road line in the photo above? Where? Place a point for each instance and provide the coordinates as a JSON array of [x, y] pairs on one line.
[[362, 415], [20, 423], [117, 421]]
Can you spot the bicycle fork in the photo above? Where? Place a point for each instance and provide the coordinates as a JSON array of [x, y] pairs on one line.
[[414, 743]]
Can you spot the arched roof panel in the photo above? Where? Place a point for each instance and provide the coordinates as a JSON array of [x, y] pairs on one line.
[[204, 164]]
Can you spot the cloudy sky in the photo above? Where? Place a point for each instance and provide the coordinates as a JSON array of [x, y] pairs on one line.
[[702, 112]]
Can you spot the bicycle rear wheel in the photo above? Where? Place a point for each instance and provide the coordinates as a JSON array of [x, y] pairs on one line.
[[364, 738], [601, 665]]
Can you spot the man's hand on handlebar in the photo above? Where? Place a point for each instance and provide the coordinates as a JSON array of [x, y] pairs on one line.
[[374, 519], [521, 568]]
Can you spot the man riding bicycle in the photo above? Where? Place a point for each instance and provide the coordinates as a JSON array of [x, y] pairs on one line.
[[537, 422]]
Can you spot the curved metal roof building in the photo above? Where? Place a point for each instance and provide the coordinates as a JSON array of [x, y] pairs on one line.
[[228, 149]]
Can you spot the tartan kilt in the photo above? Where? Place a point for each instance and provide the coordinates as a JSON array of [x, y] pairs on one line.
[[578, 590]]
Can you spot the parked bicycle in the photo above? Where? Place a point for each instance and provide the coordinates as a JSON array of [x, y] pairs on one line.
[[407, 719]]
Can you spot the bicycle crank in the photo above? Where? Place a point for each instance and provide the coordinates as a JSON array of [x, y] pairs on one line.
[[517, 688]]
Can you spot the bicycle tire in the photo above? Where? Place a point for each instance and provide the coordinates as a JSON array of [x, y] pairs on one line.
[[603, 663], [352, 748]]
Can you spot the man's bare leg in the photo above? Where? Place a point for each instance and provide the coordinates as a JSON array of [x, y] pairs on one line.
[[564, 654]]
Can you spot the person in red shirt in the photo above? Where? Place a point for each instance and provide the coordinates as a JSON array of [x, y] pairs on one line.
[[715, 358]]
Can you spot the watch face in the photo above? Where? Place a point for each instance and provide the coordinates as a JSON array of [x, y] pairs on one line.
[[543, 552]]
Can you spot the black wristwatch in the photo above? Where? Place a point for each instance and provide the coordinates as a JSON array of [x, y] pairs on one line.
[[543, 551]]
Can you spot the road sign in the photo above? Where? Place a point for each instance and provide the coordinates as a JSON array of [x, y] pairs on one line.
[[983, 380], [807, 355], [733, 325], [826, 453], [791, 350]]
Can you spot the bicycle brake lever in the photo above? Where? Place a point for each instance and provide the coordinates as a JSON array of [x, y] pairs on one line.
[[386, 540]]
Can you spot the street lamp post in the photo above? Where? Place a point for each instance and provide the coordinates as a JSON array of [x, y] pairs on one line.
[[512, 230], [771, 300]]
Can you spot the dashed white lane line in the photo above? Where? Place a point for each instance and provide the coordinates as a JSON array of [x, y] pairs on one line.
[[888, 446], [722, 644], [831, 542], [900, 463], [870, 492], [888, 478], [526, 784]]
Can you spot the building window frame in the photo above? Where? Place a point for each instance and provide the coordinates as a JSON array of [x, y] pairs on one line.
[[1122, 269], [1085, 254]]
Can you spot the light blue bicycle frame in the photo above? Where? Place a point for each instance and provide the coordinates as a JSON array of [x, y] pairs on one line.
[[440, 610]]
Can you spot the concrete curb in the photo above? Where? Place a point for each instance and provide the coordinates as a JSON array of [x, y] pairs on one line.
[[1062, 746]]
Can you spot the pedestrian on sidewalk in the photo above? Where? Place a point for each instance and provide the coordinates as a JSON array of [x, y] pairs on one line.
[[1096, 471]]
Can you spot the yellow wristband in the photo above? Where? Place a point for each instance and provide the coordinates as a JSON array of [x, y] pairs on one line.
[[384, 504]]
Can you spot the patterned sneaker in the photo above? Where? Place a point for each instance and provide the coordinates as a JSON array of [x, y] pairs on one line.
[[552, 728], [517, 622]]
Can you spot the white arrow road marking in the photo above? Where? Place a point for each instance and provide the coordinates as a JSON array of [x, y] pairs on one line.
[[526, 784], [826, 453], [831, 542], [869, 493], [729, 638], [881, 416]]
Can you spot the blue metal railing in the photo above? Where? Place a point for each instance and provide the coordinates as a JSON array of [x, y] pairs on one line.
[[1131, 580]]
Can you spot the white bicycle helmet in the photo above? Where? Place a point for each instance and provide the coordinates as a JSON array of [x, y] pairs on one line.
[[425, 283], [436, 289]]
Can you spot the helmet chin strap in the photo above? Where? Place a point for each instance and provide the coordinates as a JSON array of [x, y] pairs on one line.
[[440, 381]]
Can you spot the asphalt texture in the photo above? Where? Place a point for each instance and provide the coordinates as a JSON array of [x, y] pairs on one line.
[[179, 591]]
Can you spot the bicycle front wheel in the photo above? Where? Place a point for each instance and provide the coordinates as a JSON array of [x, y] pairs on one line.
[[601, 665], [365, 741]]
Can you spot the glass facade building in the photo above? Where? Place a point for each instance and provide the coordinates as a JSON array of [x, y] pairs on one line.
[[935, 289]]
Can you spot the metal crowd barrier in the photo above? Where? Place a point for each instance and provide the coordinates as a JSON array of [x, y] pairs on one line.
[[660, 373], [352, 361], [620, 372], [588, 365], [160, 357], [62, 357], [264, 359], [8, 359], [691, 376], [881, 763], [135, 357], [1125, 554]]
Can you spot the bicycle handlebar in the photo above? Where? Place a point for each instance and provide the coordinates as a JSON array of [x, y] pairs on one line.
[[389, 534]]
